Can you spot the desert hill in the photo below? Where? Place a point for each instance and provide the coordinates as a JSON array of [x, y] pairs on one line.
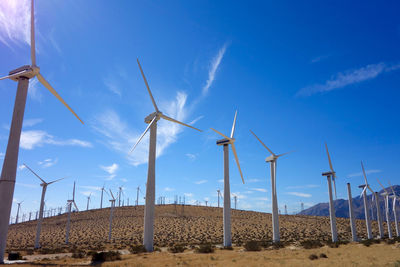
[[342, 206], [174, 224]]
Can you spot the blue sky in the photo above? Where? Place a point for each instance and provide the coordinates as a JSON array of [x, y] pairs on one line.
[[299, 74]]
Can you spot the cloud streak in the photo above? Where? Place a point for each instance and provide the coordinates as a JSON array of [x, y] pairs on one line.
[[15, 22], [214, 64], [298, 194], [38, 138], [343, 79], [361, 174]]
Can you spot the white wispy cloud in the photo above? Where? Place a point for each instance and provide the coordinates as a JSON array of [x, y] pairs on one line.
[[263, 198], [188, 194], [38, 138], [87, 193], [90, 187], [239, 195], [201, 182], [259, 189], [119, 136], [31, 122], [33, 90], [253, 180], [169, 189], [298, 194], [21, 167], [2, 155], [191, 156], [196, 120], [15, 22], [27, 185], [48, 162], [319, 58], [220, 180], [349, 77], [214, 64], [302, 186], [111, 170], [361, 174]]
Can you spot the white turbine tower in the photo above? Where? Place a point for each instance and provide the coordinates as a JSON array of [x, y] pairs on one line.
[[378, 208], [386, 194], [275, 218], [351, 213], [111, 215], [395, 197], [44, 188], [332, 214], [151, 174], [101, 201], [70, 202], [88, 201], [227, 194], [19, 207], [8, 173], [219, 195]]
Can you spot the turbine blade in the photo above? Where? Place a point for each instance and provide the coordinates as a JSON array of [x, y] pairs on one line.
[[112, 195], [147, 85], [35, 173], [234, 125], [334, 186], [57, 180], [143, 134], [76, 207], [262, 143], [365, 176], [329, 158], [13, 75], [73, 193], [391, 187], [220, 133], [51, 89], [362, 192], [33, 53], [176, 121], [370, 189], [283, 154], [237, 160], [384, 189]]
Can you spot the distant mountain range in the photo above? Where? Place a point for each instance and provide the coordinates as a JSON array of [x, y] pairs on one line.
[[342, 206]]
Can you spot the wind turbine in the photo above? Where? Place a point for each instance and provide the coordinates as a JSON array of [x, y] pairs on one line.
[[386, 194], [111, 215], [219, 195], [8, 173], [101, 201], [275, 218], [70, 202], [152, 120], [227, 194], [88, 201], [329, 175], [351, 213], [44, 188], [378, 208], [19, 207], [395, 197]]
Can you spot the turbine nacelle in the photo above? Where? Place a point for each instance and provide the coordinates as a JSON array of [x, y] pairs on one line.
[[157, 115], [332, 174], [271, 158], [26, 71], [225, 141]]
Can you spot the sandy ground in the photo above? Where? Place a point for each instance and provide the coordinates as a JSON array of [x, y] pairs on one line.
[[346, 255], [174, 224]]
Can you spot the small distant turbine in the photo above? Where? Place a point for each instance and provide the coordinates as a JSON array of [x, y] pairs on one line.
[[329, 175], [386, 194], [378, 208], [152, 120], [395, 197], [351, 213], [219, 195], [8, 173], [44, 188], [70, 202], [112, 200], [275, 218], [101, 201], [19, 207], [88, 201], [227, 190]]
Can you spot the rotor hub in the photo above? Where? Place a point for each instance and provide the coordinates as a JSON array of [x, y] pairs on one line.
[[150, 117]]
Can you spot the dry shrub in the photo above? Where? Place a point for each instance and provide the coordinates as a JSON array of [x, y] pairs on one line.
[[323, 255], [99, 257], [369, 242], [14, 256], [205, 248], [309, 244], [136, 249], [177, 248], [313, 257], [252, 245]]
